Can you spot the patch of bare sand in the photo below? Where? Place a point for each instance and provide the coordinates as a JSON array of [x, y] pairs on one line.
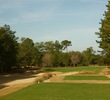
[[13, 88], [13, 83]]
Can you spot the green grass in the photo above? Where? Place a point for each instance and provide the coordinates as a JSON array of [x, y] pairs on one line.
[[86, 77], [62, 91], [70, 69]]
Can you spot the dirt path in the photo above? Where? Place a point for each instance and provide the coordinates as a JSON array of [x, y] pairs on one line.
[[13, 88], [9, 84]]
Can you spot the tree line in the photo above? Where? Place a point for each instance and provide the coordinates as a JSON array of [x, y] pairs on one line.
[[24, 53]]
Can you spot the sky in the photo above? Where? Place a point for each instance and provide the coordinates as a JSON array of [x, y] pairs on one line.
[[51, 20]]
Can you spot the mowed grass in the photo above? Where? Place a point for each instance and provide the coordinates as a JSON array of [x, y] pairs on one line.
[[62, 91], [81, 77], [96, 69]]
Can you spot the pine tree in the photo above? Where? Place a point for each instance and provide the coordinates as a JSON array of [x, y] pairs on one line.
[[8, 49], [104, 34]]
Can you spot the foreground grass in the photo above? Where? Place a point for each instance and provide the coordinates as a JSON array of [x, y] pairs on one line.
[[62, 91], [80, 77], [80, 68]]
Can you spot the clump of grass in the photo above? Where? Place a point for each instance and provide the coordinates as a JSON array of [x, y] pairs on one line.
[[47, 76], [43, 78], [39, 79]]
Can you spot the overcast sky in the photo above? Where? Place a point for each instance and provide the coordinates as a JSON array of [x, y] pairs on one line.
[[50, 20]]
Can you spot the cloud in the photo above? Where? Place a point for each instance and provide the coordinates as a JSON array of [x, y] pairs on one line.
[[32, 17], [25, 11], [72, 34], [10, 4], [93, 1]]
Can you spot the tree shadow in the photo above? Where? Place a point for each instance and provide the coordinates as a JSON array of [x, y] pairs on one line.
[[49, 70], [2, 86], [12, 77]]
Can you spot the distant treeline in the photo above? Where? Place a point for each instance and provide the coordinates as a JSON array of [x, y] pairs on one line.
[[23, 53]]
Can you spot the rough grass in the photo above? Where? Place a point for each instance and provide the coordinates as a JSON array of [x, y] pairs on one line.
[[80, 77], [43, 78], [62, 91]]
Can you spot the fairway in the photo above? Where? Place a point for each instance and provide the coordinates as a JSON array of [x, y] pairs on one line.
[[62, 91], [96, 69]]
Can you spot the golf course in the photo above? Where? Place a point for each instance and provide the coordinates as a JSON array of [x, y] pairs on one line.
[[79, 83]]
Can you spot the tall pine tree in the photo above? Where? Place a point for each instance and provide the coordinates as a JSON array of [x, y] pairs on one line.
[[8, 49], [104, 34]]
